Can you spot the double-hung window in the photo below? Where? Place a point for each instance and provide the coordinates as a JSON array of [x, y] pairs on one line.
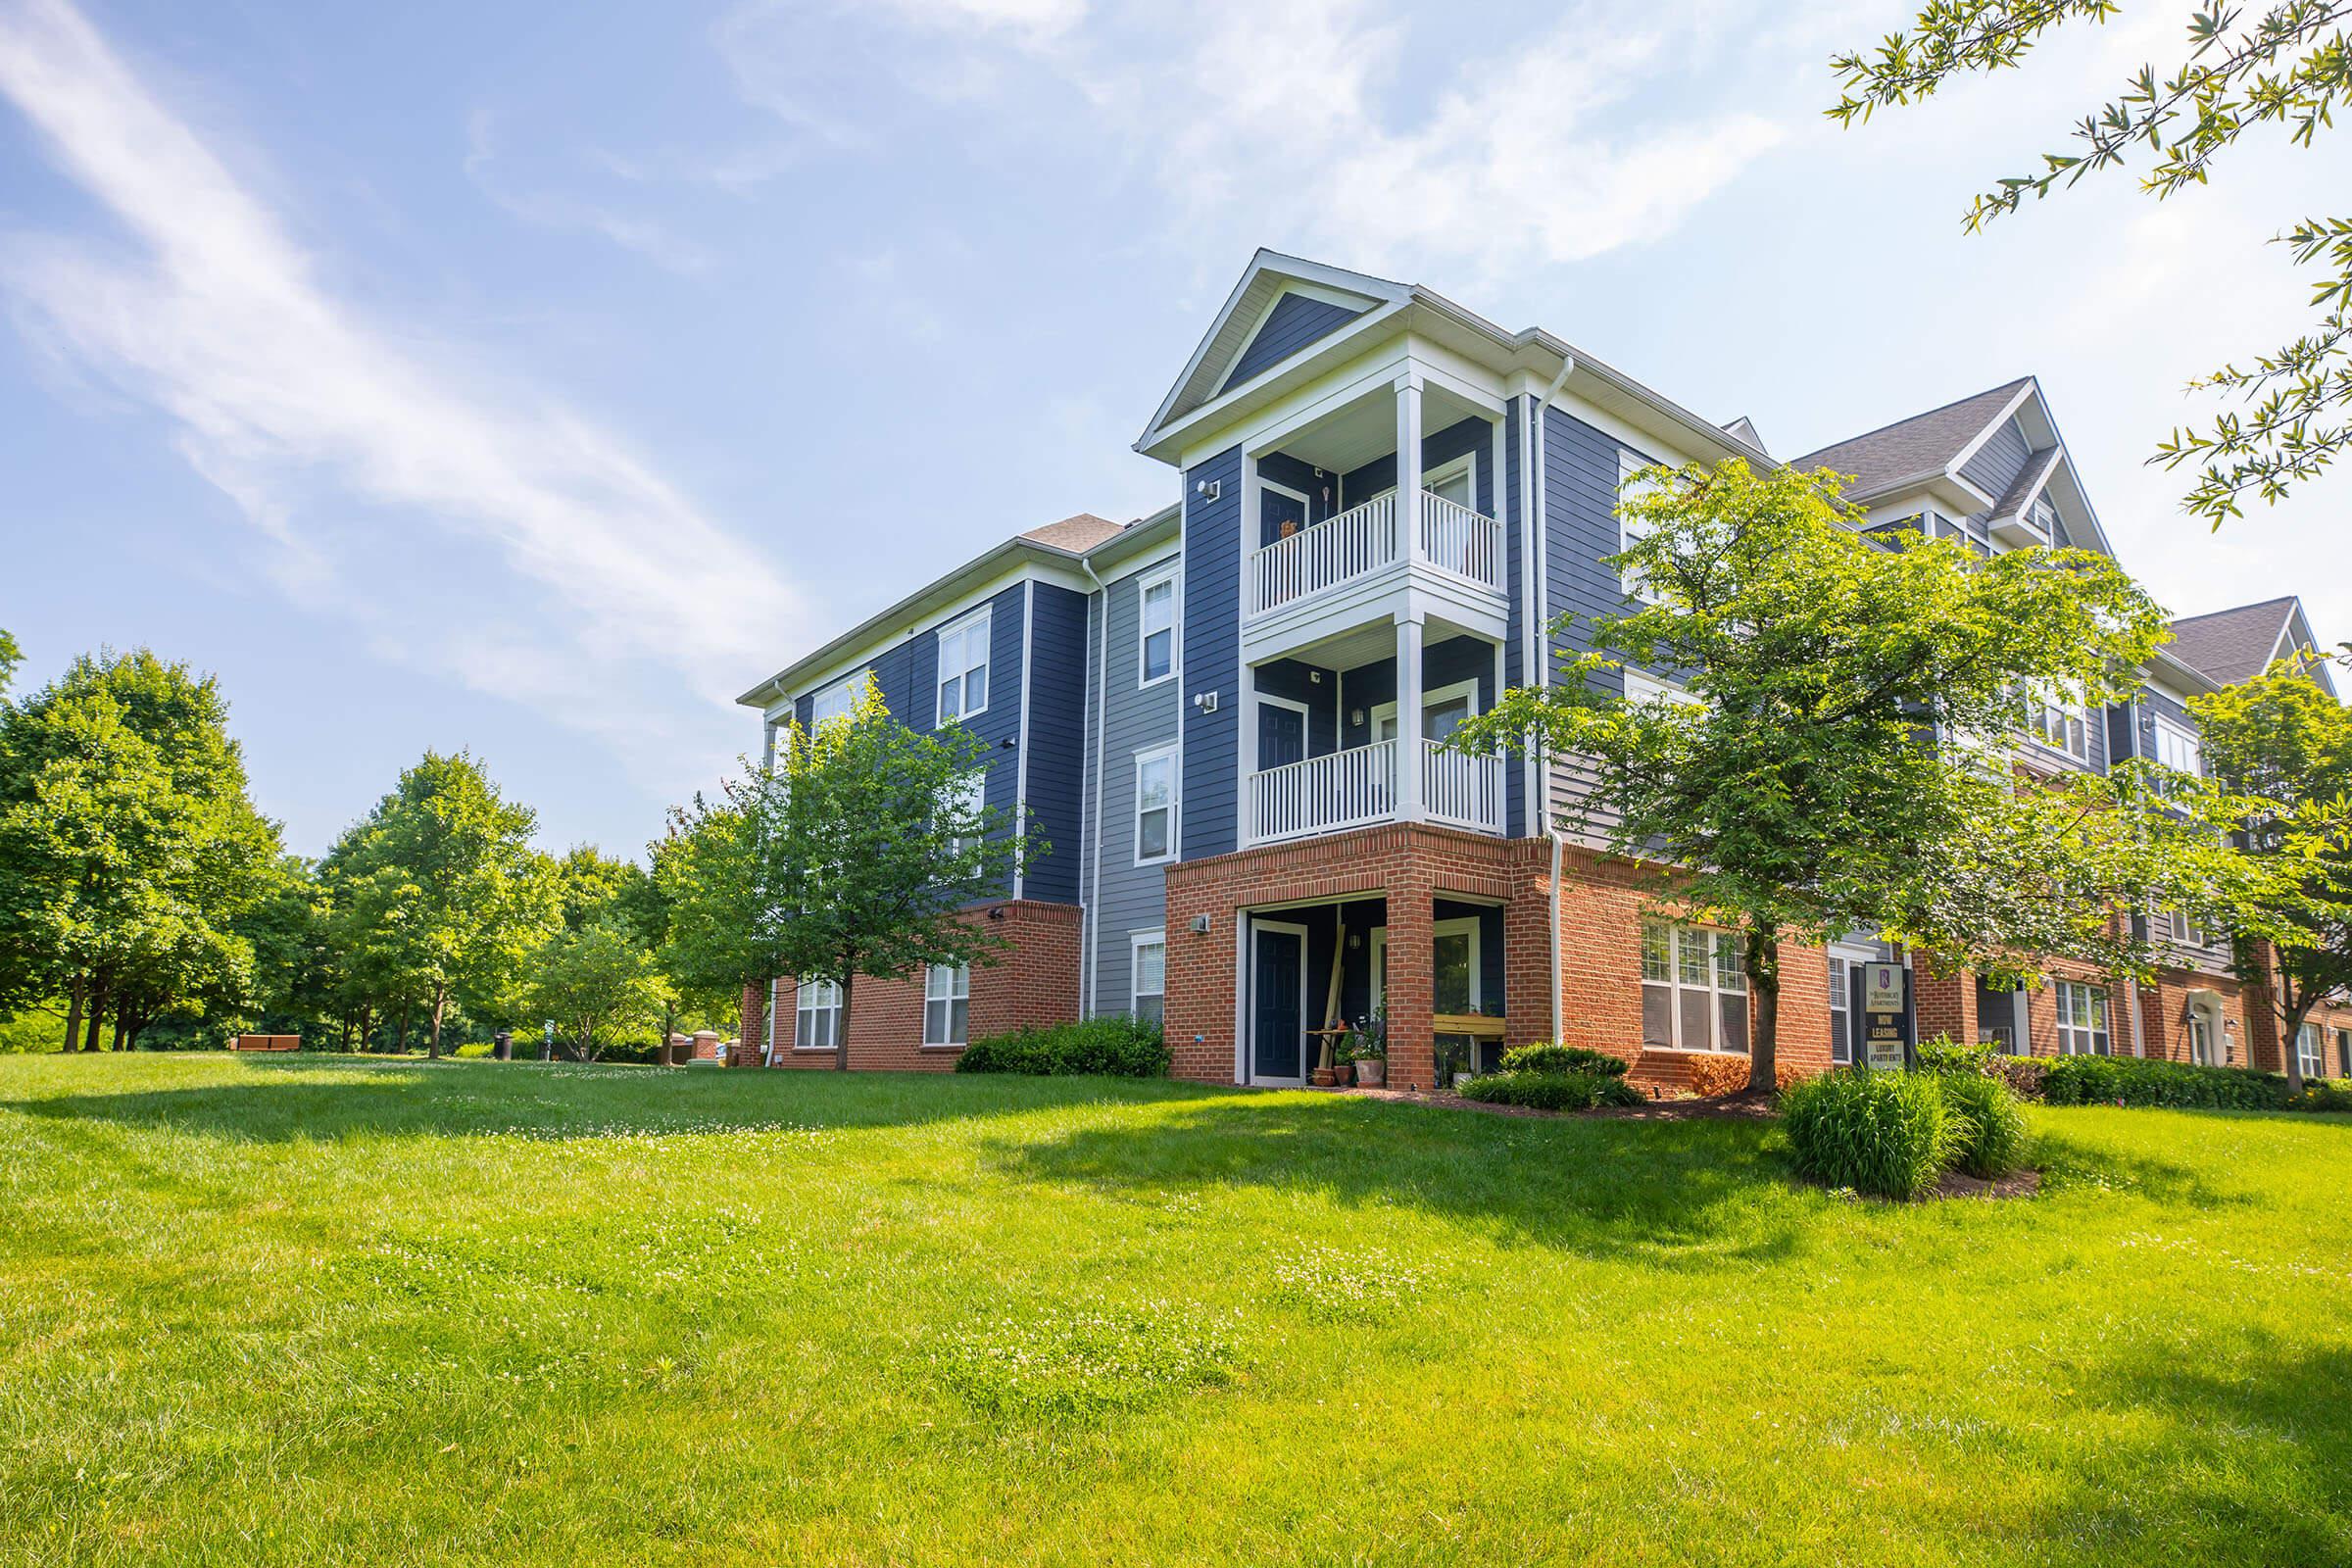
[[1156, 631], [1842, 996], [1693, 989], [2058, 723], [2307, 1050], [2178, 750], [962, 804], [816, 1016], [835, 702], [964, 668], [1630, 530], [1150, 950], [2083, 1019], [946, 1003], [2186, 929], [1156, 805]]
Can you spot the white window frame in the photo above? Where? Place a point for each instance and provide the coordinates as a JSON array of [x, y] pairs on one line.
[[2186, 929], [1386, 712], [1716, 989], [2311, 1050], [811, 999], [1459, 925], [1630, 530], [957, 987], [962, 632], [2055, 724], [1137, 942], [2091, 1036], [1640, 686], [1306, 510], [1144, 632], [1173, 757], [1465, 464], [843, 693], [2187, 749], [971, 791]]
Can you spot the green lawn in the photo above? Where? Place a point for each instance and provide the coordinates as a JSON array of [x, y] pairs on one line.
[[328, 1311]]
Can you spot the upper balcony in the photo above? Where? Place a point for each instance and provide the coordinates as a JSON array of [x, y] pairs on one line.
[[1355, 514]]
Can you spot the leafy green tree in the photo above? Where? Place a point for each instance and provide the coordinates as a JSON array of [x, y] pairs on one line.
[[11, 656], [1792, 788], [853, 856], [2285, 68], [129, 852], [438, 893], [2281, 738], [599, 980]]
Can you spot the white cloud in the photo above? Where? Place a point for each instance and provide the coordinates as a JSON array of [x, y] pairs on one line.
[[639, 235], [376, 465]]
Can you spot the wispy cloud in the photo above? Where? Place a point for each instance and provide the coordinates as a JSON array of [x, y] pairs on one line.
[[551, 209], [534, 554]]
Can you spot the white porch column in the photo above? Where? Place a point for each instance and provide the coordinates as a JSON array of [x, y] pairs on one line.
[[1408, 466], [1247, 719], [1409, 720]]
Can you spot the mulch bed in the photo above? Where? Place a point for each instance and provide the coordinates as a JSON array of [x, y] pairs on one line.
[[1741, 1106]]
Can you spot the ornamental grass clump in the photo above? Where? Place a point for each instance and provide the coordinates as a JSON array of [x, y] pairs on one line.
[[1881, 1133], [1987, 1127]]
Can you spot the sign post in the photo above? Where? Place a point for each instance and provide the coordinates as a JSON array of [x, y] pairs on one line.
[[1889, 1028], [547, 1042]]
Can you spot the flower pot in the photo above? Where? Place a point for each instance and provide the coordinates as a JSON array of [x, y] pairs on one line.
[[1323, 1077], [1371, 1073]]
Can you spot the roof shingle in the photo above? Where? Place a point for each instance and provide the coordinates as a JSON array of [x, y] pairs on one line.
[[1925, 443], [2233, 645]]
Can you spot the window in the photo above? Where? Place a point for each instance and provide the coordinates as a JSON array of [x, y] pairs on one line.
[[2343, 1052], [1455, 481], [816, 1016], [2177, 749], [2186, 929], [1643, 687], [835, 702], [946, 1003], [1630, 530], [964, 668], [1150, 969], [1841, 1026], [2081, 1019], [963, 802], [2200, 1040], [2058, 724], [1693, 989], [1156, 805], [1158, 629], [1442, 711], [2307, 1050], [1455, 966]]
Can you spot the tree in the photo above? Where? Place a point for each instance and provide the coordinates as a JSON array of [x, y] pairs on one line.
[[2281, 738], [595, 978], [1835, 757], [438, 892], [11, 656], [855, 855], [2285, 69], [129, 850]]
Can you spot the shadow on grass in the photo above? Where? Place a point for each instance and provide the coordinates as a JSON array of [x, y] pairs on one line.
[[2246, 1459], [327, 1098], [1688, 1194]]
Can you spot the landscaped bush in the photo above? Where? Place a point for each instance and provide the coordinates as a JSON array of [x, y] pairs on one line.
[[1562, 1058], [1988, 1129], [2323, 1093], [1944, 1054], [2133, 1081], [2027, 1075], [1718, 1075], [1552, 1091], [1112, 1047], [1884, 1133]]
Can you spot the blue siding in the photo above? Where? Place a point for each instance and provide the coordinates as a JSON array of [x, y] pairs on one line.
[[1292, 324], [1295, 680], [1058, 734], [1127, 898], [1211, 807], [1436, 447], [1514, 779], [1579, 526], [1443, 664]]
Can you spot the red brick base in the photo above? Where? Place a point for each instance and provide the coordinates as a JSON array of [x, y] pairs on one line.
[[1034, 981]]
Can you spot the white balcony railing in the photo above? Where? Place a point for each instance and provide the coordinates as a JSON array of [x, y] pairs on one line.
[[1324, 794], [1337, 550], [1462, 789], [1466, 543], [1358, 787]]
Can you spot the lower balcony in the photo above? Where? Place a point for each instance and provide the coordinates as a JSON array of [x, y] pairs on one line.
[[1360, 786]]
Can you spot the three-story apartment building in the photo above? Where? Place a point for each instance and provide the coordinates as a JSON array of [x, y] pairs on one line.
[[1224, 720]]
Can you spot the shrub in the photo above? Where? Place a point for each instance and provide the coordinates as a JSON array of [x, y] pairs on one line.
[[1564, 1059], [1552, 1091], [1944, 1054], [2133, 1081], [1112, 1047], [1988, 1130], [2026, 1075], [2323, 1093], [1718, 1075], [1883, 1133]]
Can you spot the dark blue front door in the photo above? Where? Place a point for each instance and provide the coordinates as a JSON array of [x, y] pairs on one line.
[[1280, 735], [1279, 515], [1274, 1022]]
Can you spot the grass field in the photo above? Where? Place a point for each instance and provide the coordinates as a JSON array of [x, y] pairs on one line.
[[329, 1312]]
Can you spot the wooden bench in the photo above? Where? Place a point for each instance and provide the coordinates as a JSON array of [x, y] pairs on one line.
[[266, 1043]]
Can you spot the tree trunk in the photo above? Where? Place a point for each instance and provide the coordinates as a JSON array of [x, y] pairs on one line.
[[74, 1012], [841, 1032], [1763, 966], [124, 1029], [440, 1006], [2290, 1043], [97, 1025]]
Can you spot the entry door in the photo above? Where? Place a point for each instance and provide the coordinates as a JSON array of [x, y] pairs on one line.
[[1281, 734], [1281, 512], [2200, 1040], [1277, 1003]]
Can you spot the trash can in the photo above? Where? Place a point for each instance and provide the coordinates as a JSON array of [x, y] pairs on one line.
[[502, 1045]]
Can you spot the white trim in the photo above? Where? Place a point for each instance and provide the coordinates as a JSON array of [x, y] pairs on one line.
[[1172, 576], [1137, 940], [1250, 1010], [1455, 926], [1306, 718], [800, 1036], [1676, 986], [1968, 454], [961, 628], [1466, 464], [1429, 698], [1171, 753], [1257, 526], [1321, 295], [847, 684], [958, 988], [1098, 672]]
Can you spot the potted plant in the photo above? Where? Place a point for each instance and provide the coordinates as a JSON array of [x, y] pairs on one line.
[[1367, 1047]]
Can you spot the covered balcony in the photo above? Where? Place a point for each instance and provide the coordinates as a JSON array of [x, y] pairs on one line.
[[1397, 488], [1335, 740]]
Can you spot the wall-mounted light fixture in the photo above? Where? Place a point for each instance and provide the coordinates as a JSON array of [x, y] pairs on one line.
[[1200, 925], [1207, 701], [1207, 489], [1355, 718]]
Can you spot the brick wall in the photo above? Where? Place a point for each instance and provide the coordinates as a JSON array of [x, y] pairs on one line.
[[1034, 980]]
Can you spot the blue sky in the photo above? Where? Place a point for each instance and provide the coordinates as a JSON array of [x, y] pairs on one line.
[[534, 377]]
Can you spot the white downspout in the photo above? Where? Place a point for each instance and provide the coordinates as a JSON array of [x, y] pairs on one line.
[[1094, 903]]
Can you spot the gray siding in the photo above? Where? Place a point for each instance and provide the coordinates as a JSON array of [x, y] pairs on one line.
[[1292, 324], [1999, 460], [1580, 528], [1128, 898], [1212, 658]]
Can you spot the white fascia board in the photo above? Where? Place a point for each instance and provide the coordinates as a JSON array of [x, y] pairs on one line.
[[1175, 441], [1370, 373], [1967, 454]]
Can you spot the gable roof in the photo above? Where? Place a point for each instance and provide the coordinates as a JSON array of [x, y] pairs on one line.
[[1077, 534], [1923, 446], [2028, 483], [2240, 642]]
